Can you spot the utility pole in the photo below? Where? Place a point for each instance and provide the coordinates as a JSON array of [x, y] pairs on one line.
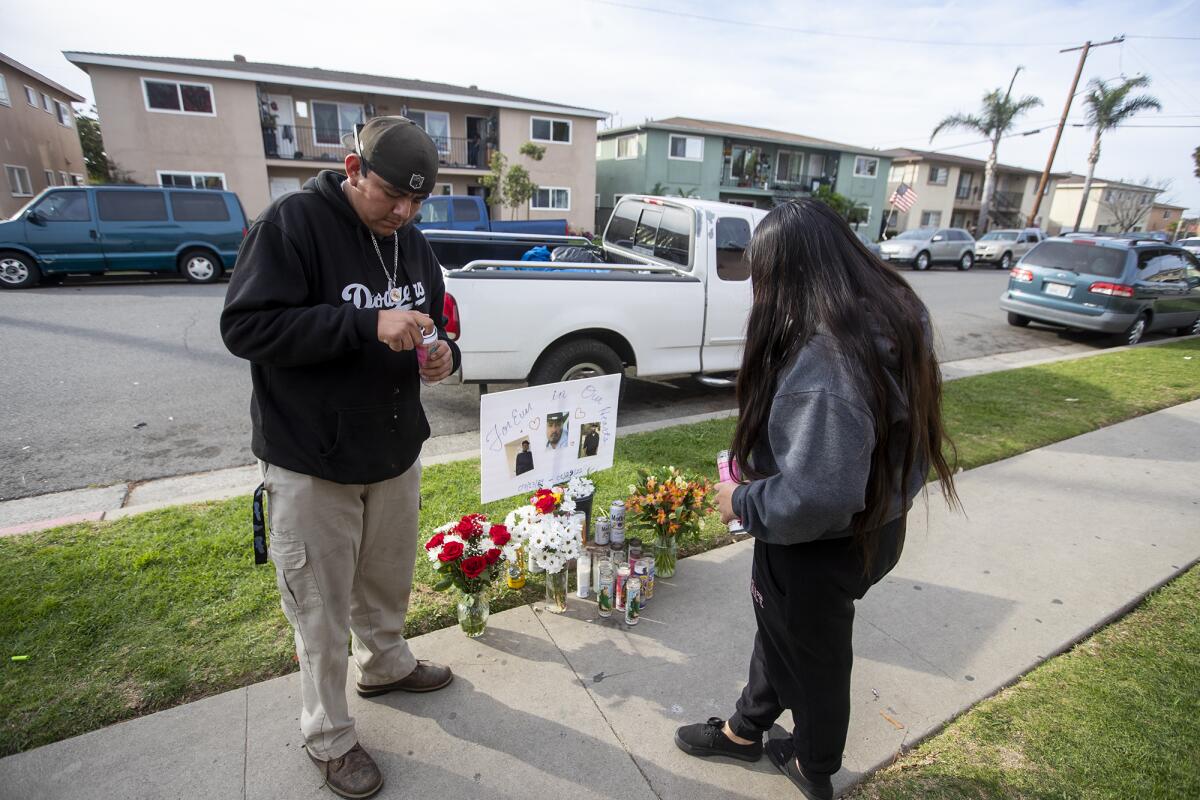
[[1086, 48]]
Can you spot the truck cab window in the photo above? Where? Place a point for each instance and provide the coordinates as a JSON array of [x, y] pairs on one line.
[[733, 237], [435, 210]]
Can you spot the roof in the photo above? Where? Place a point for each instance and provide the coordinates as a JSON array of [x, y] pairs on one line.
[[317, 77], [690, 125], [906, 154], [58, 87], [1170, 205], [1076, 182]]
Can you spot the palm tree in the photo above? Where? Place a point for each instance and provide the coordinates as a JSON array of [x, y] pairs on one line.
[[1106, 109], [996, 117]]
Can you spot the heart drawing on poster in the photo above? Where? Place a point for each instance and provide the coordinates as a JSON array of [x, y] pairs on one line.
[[580, 413], [535, 423]]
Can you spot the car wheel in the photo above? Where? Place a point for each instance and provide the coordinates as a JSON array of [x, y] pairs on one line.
[[200, 266], [576, 360], [1134, 333], [1190, 330], [921, 263], [1017, 320], [967, 261], [1005, 262], [17, 271]]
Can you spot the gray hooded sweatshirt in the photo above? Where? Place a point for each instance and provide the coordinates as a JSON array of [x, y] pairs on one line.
[[816, 449]]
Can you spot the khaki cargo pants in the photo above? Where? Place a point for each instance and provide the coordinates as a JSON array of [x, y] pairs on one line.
[[344, 558]]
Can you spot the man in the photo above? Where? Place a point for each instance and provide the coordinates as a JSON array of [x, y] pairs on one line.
[[591, 441], [556, 431], [332, 291], [524, 459]]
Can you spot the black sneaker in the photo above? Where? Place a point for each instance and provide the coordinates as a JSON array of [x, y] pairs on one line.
[[783, 756], [708, 739]]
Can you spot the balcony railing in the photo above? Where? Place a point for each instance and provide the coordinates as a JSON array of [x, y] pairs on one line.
[[806, 184], [306, 143]]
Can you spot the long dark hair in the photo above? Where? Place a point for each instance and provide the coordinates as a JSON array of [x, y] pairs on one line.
[[811, 273]]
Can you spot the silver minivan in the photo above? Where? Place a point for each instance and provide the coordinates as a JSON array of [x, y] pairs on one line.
[[923, 247], [1002, 248]]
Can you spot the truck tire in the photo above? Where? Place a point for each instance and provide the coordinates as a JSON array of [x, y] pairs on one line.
[[17, 271], [581, 358], [200, 266], [1018, 320]]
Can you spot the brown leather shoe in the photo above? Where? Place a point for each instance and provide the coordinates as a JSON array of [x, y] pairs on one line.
[[427, 677], [353, 775]]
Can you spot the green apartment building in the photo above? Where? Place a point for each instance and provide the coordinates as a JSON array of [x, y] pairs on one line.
[[735, 164]]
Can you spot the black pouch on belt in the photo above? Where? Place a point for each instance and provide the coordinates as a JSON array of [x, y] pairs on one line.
[[260, 526]]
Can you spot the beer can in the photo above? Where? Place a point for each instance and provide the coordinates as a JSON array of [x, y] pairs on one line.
[[604, 590], [602, 531], [633, 601], [619, 586], [616, 517]]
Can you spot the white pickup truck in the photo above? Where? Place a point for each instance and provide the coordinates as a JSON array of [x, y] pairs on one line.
[[669, 294]]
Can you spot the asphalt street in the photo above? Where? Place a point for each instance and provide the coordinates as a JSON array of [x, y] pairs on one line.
[[124, 380]]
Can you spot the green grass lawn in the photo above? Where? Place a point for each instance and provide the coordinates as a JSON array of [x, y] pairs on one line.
[[123, 618], [1116, 717]]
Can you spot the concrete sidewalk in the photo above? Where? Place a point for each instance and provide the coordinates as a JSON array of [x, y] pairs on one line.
[[1053, 543], [40, 512]]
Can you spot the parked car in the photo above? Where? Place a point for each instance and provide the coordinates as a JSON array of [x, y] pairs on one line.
[[1157, 236], [867, 243], [921, 248], [98, 229], [1002, 247], [448, 212], [1119, 286], [669, 295], [1191, 245]]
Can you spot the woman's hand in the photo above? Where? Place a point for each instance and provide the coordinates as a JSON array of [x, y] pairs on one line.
[[725, 500]]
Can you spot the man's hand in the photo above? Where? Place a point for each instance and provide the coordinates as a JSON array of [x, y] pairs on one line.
[[401, 330], [439, 364], [725, 500]]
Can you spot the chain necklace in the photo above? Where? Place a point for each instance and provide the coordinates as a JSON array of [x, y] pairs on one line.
[[393, 290]]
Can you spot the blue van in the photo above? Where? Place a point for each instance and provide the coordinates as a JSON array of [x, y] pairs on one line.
[[97, 229]]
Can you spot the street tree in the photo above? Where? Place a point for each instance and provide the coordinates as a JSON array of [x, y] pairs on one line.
[[511, 186], [1108, 107], [994, 119], [1130, 208]]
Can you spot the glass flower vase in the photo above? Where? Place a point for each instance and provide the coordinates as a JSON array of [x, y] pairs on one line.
[[473, 612], [666, 553], [556, 591]]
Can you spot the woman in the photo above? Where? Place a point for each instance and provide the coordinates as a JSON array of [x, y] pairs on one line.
[[840, 421]]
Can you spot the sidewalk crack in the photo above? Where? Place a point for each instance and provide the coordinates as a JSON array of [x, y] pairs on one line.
[[583, 683], [910, 651]]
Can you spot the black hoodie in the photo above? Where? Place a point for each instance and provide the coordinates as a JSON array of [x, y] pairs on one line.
[[330, 400]]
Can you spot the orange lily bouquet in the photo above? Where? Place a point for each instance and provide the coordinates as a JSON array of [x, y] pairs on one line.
[[673, 506]]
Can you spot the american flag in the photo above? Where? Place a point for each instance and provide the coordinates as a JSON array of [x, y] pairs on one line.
[[904, 197]]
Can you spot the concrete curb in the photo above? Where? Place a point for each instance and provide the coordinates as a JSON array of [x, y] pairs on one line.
[[62, 508]]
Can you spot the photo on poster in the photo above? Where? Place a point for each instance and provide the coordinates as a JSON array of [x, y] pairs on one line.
[[589, 439], [519, 455], [558, 430]]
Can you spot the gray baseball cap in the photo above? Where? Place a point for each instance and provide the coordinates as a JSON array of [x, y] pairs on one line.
[[399, 150]]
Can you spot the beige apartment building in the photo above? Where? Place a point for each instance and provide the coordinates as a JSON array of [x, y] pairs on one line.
[[261, 129], [949, 190], [39, 145], [1112, 206], [1164, 217]]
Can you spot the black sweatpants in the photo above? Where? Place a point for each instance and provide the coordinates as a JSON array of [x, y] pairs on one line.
[[804, 602]]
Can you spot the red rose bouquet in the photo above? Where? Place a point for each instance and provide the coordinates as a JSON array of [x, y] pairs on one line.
[[467, 553]]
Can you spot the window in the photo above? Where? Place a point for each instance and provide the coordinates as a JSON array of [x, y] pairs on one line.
[[76, 179], [938, 176], [64, 207], [131, 206], [31, 96], [598, 143], [18, 181], [931, 219], [1160, 267], [1107, 262], [865, 167], [435, 210], [465, 210], [46, 105], [627, 146], [542, 129], [64, 179], [549, 197], [674, 240], [437, 125], [620, 227], [192, 180], [1166, 215], [178, 98], [733, 237], [5, 100], [686, 148], [647, 231], [302, 109], [331, 120], [789, 167], [443, 188], [49, 177], [198, 207], [63, 112]]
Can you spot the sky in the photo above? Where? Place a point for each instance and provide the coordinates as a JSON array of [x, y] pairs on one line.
[[874, 74]]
